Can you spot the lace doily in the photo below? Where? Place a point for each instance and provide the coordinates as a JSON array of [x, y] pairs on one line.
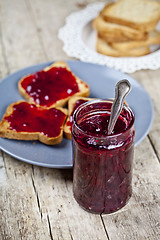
[[79, 41]]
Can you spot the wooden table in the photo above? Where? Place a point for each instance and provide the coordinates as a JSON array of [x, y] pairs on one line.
[[37, 202]]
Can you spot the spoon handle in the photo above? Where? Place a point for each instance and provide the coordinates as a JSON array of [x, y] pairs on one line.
[[122, 89]]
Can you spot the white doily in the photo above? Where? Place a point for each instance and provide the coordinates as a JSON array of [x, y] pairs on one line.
[[79, 41]]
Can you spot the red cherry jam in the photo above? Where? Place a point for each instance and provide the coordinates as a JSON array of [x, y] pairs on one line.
[[30, 118], [102, 173], [97, 124], [47, 87], [76, 104]]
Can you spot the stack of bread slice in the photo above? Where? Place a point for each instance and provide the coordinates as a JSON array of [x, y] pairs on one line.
[[127, 28]]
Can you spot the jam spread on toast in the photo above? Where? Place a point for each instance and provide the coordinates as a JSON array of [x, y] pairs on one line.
[[47, 87], [30, 118], [76, 104]]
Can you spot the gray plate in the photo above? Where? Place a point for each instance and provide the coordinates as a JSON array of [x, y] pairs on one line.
[[102, 82]]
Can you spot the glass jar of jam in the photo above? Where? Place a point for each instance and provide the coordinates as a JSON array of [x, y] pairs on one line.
[[102, 171]]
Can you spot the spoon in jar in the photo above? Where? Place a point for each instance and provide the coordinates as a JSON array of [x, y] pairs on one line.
[[122, 89]]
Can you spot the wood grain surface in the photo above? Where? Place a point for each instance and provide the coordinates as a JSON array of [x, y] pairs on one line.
[[37, 203]]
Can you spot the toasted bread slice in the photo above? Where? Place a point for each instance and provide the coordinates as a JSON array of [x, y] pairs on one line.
[[73, 103], [116, 32], [53, 86], [139, 14], [153, 38], [25, 121], [116, 37], [105, 48]]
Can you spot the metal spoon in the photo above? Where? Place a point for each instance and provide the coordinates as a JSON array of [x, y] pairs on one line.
[[122, 89]]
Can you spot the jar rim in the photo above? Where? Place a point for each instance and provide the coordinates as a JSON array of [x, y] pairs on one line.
[[79, 108]]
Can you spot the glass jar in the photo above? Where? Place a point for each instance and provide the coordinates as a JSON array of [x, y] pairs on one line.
[[102, 170]]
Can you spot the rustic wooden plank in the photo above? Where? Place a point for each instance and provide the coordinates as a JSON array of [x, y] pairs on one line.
[[116, 232], [150, 81], [65, 225], [139, 219], [67, 219], [37, 203], [20, 216], [20, 41], [3, 61], [41, 212], [49, 16], [40, 205], [19, 210]]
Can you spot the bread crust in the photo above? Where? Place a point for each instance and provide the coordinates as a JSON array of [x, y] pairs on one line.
[[153, 38], [116, 32], [6, 132], [109, 15], [83, 87], [71, 102], [145, 27], [106, 49]]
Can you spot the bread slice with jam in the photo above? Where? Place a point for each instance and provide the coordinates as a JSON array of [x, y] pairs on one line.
[[73, 103], [52, 86], [25, 121]]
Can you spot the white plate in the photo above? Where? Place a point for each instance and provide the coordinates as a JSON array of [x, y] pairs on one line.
[[80, 39]]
